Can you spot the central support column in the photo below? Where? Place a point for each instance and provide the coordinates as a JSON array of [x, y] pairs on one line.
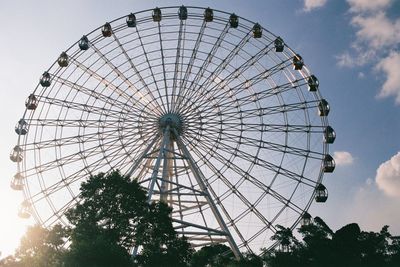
[[201, 181], [161, 155], [182, 185]]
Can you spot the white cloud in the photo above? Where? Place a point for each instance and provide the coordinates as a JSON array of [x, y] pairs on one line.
[[372, 209], [368, 5], [313, 4], [390, 66], [377, 31], [375, 35], [346, 60], [376, 42], [343, 158], [359, 59], [388, 176]]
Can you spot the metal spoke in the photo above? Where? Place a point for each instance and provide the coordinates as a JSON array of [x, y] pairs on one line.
[[137, 73]]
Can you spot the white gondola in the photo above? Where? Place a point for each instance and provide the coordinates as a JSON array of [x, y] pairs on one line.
[[329, 135], [328, 163], [16, 154], [321, 193], [25, 210], [106, 30], [45, 80], [17, 183], [84, 43], [323, 108], [131, 20], [31, 102], [183, 13], [234, 21], [279, 44], [305, 219], [298, 62], [313, 83], [208, 14], [257, 31], [157, 14], [63, 60], [22, 127]]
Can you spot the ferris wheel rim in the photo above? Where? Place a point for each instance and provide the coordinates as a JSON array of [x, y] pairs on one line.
[[215, 146]]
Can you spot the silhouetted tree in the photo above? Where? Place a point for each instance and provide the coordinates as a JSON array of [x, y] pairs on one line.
[[317, 246], [39, 248], [160, 244], [375, 247], [212, 255], [287, 242], [248, 260], [394, 251], [113, 216], [105, 220], [345, 242], [10, 261], [347, 247], [220, 255]]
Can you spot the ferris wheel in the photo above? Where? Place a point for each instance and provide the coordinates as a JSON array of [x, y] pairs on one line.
[[210, 112]]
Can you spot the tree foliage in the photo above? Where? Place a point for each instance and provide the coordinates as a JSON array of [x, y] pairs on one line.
[[348, 246], [39, 248], [219, 255], [113, 216], [111, 205], [213, 255], [160, 244], [104, 222]]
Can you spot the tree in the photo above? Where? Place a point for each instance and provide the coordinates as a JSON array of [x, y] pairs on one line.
[[111, 202], [160, 244], [220, 255], [317, 247], [105, 220], [375, 247], [284, 236], [345, 242], [114, 216], [287, 253], [248, 260], [39, 247], [212, 255], [394, 251], [10, 261], [347, 247]]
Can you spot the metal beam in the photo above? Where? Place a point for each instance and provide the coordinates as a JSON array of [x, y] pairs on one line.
[[200, 180]]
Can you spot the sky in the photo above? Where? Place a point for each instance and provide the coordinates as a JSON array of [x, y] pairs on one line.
[[352, 46]]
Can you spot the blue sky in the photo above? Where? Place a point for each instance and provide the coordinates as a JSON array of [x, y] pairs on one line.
[[352, 46]]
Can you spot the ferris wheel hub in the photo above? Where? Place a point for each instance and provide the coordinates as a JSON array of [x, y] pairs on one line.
[[173, 120]]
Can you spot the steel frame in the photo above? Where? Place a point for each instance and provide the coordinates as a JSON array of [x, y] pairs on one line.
[[249, 148]]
